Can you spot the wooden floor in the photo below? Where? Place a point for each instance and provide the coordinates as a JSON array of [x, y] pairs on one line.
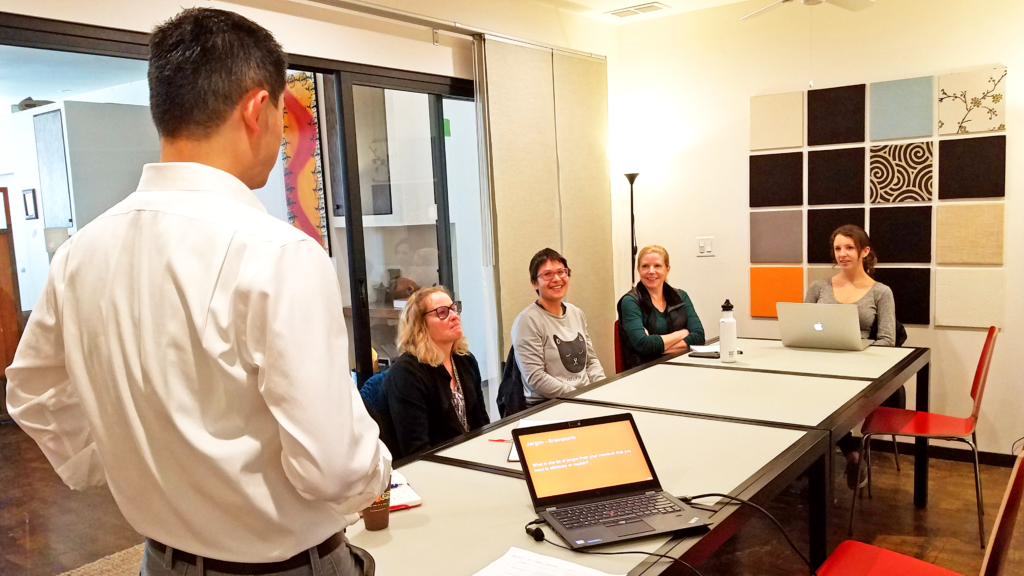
[[46, 529]]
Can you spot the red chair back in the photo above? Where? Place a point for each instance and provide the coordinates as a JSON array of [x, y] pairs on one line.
[[999, 544], [981, 374], [618, 350]]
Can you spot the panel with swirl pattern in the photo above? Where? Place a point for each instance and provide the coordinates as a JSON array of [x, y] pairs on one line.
[[901, 173]]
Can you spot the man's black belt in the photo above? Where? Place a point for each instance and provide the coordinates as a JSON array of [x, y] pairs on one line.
[[299, 560]]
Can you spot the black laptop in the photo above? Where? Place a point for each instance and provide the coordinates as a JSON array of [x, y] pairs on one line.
[[593, 482]]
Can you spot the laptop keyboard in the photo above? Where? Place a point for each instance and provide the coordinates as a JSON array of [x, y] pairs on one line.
[[614, 512]]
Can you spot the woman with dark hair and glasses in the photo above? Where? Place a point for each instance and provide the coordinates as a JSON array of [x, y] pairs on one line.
[[433, 389], [550, 339]]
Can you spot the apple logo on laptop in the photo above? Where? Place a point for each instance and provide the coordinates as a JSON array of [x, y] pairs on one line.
[[817, 326]]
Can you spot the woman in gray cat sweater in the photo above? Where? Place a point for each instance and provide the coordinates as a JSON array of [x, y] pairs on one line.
[[851, 251], [552, 347]]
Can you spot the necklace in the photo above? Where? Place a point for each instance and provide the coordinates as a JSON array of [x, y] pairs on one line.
[[459, 399]]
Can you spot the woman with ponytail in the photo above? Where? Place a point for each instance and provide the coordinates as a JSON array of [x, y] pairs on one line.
[[851, 251]]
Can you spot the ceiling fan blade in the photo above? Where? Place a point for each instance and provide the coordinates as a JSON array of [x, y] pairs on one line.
[[765, 8], [853, 5]]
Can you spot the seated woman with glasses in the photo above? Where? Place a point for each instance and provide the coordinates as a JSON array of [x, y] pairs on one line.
[[433, 389], [655, 318], [550, 340]]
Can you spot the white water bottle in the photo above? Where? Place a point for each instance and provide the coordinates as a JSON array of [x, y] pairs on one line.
[[727, 334]]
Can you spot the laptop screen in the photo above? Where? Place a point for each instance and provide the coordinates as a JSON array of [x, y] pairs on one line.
[[583, 458]]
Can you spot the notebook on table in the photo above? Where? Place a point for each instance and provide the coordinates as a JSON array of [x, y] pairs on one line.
[[593, 482], [827, 326]]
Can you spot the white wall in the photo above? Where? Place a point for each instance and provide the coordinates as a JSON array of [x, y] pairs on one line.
[[136, 93], [680, 116], [18, 157]]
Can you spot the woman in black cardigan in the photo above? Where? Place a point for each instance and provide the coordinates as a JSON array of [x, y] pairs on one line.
[[433, 389]]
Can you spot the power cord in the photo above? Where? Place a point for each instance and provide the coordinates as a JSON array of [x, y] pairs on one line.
[[1013, 447], [538, 535], [689, 500]]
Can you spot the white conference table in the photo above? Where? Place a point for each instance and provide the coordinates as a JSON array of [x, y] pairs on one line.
[[476, 504], [831, 390]]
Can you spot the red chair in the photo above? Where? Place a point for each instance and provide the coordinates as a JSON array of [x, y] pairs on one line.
[[896, 422], [853, 558], [618, 350]]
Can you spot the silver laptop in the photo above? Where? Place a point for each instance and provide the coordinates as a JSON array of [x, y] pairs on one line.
[[593, 482], [828, 326]]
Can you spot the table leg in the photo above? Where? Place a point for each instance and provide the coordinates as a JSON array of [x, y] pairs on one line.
[[819, 492], [921, 444]]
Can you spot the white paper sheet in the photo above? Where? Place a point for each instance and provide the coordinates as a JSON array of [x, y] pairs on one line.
[[519, 562], [708, 348]]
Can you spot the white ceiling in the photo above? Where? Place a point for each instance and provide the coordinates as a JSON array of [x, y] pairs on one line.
[[52, 75], [599, 8]]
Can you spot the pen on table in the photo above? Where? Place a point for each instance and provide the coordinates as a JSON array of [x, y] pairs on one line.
[[499, 440]]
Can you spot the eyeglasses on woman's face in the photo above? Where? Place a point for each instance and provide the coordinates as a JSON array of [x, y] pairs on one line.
[[549, 274], [443, 311]]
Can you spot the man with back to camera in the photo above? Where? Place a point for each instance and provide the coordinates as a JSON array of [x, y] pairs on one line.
[[190, 350]]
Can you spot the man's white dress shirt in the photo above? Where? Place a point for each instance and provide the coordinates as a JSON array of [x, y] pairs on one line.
[[191, 351]]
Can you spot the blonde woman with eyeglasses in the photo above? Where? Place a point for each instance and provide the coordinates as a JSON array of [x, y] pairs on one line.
[[433, 389], [550, 340]]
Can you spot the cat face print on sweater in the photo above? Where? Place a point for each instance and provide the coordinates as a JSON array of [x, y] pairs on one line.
[[573, 353]]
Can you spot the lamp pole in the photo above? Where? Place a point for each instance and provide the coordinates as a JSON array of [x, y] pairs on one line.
[[632, 225]]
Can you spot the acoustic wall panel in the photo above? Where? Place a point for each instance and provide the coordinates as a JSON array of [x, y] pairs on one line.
[[815, 273], [972, 168], [902, 108], [835, 115], [777, 180], [902, 235], [911, 289], [972, 101], [969, 297], [581, 122], [521, 119], [901, 173], [777, 121], [770, 285], [835, 176], [777, 237], [969, 233], [820, 225]]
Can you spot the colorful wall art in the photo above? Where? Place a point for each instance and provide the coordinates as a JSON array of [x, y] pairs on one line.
[[934, 208], [300, 153]]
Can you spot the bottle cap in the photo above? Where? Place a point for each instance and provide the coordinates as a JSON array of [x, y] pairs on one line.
[[727, 307]]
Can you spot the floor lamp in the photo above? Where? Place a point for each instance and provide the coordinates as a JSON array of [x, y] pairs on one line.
[[632, 225]]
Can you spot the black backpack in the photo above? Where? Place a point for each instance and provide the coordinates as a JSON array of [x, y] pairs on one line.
[[900, 332], [511, 398]]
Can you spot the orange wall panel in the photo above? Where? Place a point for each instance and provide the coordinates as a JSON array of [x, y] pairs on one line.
[[769, 285]]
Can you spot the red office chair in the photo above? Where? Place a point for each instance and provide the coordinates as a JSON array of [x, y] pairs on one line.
[[618, 350], [896, 422], [853, 558]]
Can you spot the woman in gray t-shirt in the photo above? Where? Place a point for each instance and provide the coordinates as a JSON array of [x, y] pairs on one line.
[[852, 253]]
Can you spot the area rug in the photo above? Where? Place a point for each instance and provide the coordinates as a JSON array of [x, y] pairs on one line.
[[124, 563]]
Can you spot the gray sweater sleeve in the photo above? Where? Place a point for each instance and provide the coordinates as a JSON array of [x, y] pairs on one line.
[[886, 311]]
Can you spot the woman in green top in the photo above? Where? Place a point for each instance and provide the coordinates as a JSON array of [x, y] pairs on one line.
[[655, 318]]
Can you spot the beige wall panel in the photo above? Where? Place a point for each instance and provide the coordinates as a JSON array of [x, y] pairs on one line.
[[581, 116], [815, 273], [777, 121], [524, 168], [969, 233]]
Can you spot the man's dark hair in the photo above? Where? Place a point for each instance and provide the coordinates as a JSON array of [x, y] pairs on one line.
[[201, 63], [541, 257]]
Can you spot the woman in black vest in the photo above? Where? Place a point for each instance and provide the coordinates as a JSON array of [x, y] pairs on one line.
[[655, 318]]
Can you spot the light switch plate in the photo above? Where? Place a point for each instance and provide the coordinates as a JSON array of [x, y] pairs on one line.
[[705, 246]]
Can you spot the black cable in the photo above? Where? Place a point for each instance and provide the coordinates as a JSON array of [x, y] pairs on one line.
[[689, 499], [1014, 445], [545, 539]]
